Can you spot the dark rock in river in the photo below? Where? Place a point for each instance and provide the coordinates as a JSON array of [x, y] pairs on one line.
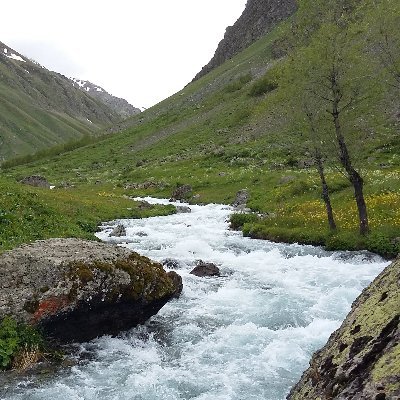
[[118, 231], [171, 263], [362, 358], [36, 180], [203, 269], [76, 290], [183, 210]]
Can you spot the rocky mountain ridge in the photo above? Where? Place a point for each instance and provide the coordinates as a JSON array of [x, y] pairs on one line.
[[258, 18], [119, 105], [40, 108]]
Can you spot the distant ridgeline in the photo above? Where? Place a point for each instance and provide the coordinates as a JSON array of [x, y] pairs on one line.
[[40, 108]]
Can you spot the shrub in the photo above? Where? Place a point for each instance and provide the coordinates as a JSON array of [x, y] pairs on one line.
[[238, 83], [380, 243], [238, 220], [15, 338], [262, 86]]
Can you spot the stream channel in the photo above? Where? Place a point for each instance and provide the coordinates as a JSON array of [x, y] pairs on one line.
[[247, 335]]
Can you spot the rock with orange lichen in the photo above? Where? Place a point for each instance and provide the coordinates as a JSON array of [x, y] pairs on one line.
[[76, 290]]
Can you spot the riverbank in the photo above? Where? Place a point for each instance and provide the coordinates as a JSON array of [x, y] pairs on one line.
[[289, 201], [247, 334], [29, 213]]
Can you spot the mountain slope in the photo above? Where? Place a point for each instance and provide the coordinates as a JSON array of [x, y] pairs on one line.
[[40, 108], [258, 18], [120, 106], [242, 125]]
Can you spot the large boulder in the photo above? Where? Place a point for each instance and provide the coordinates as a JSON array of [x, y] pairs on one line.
[[182, 193], [361, 360], [76, 290]]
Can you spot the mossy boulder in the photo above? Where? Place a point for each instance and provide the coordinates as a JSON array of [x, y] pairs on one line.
[[76, 290], [362, 358]]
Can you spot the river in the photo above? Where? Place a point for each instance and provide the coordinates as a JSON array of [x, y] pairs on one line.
[[247, 335]]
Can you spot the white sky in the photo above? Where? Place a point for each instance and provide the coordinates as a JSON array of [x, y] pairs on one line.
[[141, 50]]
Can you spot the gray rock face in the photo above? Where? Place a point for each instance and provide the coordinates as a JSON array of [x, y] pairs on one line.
[[258, 18], [361, 359], [76, 290], [36, 180]]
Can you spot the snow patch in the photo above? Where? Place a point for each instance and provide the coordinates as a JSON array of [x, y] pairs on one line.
[[15, 57]]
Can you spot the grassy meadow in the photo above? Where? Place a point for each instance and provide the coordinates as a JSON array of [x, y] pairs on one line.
[[243, 126]]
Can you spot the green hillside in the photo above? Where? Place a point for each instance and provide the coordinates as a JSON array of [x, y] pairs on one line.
[[40, 109], [245, 125]]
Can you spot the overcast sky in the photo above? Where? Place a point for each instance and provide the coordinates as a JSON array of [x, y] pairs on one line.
[[143, 51]]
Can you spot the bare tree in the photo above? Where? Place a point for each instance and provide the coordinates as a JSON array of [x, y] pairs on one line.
[[319, 163]]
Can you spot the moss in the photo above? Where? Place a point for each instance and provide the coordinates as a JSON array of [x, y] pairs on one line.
[[31, 306], [82, 271], [148, 280], [388, 365]]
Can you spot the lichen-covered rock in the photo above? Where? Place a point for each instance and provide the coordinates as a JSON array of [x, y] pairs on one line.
[[361, 360], [76, 290]]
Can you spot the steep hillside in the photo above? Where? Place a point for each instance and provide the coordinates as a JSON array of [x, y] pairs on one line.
[[40, 108], [243, 125], [258, 18], [120, 106]]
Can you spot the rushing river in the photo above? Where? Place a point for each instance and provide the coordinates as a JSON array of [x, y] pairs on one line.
[[247, 335]]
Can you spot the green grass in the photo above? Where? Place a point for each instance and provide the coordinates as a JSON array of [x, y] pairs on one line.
[[28, 214], [240, 127]]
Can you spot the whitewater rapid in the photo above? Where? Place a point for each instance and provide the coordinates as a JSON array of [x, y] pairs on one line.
[[247, 335]]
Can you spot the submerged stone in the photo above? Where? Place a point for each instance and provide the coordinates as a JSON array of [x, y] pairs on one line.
[[76, 290], [118, 231]]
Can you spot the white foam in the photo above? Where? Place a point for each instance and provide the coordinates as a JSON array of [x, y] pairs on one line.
[[247, 335]]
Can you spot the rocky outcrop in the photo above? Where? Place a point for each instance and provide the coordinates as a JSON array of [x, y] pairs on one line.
[[241, 199], [258, 18], [36, 180], [76, 290], [361, 360], [182, 193]]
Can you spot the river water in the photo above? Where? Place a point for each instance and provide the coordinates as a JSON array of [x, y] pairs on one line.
[[247, 335]]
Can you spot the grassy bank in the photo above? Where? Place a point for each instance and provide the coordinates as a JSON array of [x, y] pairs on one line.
[[28, 214]]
